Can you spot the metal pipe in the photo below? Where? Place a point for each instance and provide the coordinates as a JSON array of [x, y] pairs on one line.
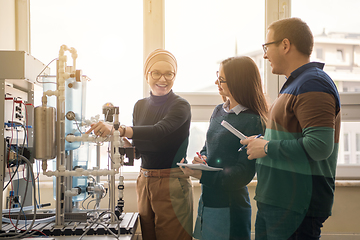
[[69, 182], [98, 160]]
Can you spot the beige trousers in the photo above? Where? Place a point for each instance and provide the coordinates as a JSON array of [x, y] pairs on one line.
[[165, 204]]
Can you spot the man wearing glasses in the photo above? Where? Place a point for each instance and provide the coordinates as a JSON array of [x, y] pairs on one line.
[[297, 158]]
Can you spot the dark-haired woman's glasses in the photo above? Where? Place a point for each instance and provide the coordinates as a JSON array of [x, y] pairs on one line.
[[220, 79], [156, 75]]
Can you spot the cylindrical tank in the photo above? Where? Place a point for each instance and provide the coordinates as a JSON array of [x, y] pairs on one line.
[[81, 160], [44, 132], [73, 103]]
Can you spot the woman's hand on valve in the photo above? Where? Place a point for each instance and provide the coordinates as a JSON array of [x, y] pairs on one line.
[[100, 129]]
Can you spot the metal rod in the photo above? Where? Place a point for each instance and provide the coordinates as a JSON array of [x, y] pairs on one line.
[[98, 161], [60, 159], [69, 182]]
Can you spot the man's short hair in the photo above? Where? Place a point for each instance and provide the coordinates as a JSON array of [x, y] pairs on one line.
[[297, 31]]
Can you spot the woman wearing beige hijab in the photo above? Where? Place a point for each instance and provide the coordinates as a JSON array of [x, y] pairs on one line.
[[160, 135]]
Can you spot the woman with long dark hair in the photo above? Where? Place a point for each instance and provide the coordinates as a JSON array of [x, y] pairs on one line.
[[224, 207]]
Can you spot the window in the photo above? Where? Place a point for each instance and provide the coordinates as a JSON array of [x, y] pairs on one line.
[[340, 44], [339, 39], [348, 86], [357, 142], [346, 156], [202, 33], [346, 142], [197, 138], [339, 55], [108, 37], [200, 38], [206, 37], [319, 53], [109, 47]]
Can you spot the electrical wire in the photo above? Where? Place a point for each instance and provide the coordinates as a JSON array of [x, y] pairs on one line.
[[22, 152], [25, 195], [82, 203], [38, 169], [42, 220], [12, 135], [100, 216], [107, 228], [19, 154], [77, 125], [18, 182], [16, 170], [28, 173], [87, 206], [23, 145], [20, 235], [10, 142], [18, 219], [26, 123], [106, 191], [37, 77], [26, 128]]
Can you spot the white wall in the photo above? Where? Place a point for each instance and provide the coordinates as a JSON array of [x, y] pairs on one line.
[[7, 25]]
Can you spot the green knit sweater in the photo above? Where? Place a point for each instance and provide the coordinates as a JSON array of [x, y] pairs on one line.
[[228, 187]]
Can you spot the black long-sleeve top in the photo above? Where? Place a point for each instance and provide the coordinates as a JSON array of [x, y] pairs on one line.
[[161, 130]]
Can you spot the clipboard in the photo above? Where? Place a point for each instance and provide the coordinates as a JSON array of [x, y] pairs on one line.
[[199, 166]]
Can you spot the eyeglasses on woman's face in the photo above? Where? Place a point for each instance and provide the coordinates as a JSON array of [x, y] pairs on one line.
[[220, 79], [156, 75]]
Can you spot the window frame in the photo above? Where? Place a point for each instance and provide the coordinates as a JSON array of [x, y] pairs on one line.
[[202, 104], [340, 55]]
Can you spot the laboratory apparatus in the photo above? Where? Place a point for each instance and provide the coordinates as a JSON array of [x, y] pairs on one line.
[[53, 135]]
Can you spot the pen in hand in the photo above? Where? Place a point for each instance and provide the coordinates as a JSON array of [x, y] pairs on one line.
[[204, 161], [244, 146]]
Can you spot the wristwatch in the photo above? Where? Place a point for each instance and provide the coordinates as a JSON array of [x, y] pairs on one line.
[[266, 148]]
